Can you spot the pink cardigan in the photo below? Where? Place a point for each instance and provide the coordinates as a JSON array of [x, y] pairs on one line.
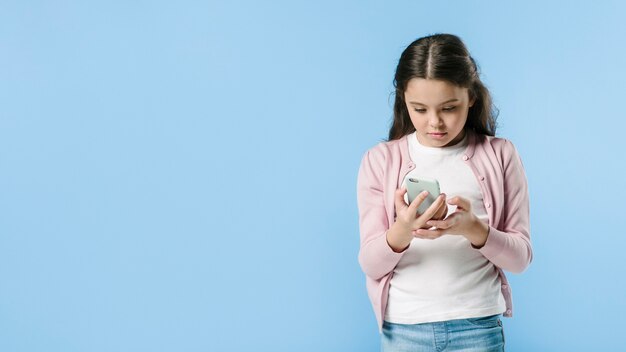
[[500, 174]]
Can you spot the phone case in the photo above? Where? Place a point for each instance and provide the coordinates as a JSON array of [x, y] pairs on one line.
[[415, 186]]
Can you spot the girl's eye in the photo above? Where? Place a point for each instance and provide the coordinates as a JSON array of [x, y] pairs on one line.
[[450, 108]]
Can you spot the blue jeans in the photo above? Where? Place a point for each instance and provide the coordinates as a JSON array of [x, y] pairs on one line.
[[483, 334]]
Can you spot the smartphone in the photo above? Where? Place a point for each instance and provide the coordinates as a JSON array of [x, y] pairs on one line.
[[415, 186]]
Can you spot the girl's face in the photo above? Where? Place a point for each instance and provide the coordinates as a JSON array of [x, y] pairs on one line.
[[438, 110]]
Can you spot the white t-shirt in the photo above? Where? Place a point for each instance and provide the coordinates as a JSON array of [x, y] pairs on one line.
[[445, 278]]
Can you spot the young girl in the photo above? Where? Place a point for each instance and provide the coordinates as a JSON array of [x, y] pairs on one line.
[[435, 279]]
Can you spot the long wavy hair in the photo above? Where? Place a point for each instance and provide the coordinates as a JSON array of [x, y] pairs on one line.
[[442, 57]]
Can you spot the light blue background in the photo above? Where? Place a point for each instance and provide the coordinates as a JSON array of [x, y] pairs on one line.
[[181, 176]]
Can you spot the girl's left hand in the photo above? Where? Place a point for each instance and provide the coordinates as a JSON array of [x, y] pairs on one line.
[[462, 221]]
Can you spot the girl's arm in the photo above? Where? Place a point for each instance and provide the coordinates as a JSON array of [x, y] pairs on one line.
[[508, 246], [376, 257]]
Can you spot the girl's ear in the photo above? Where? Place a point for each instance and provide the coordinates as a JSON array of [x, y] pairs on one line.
[[472, 98]]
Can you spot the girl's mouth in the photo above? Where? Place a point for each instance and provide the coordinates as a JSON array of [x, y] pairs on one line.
[[437, 135]]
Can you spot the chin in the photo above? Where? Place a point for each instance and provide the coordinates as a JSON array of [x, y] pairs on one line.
[[446, 144]]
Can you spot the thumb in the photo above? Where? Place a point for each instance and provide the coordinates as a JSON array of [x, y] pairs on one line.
[[460, 202], [399, 198]]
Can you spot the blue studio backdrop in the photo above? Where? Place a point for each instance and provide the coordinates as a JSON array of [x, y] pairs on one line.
[[181, 176]]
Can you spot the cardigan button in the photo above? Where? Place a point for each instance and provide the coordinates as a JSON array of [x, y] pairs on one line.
[[465, 157], [508, 311], [488, 205], [482, 178], [505, 287]]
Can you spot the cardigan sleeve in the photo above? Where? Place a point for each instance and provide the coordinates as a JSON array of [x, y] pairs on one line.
[[509, 246], [376, 257]]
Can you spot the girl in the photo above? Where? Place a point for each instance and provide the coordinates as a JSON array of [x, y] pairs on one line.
[[436, 280]]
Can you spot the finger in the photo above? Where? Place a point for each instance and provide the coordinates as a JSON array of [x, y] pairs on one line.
[[448, 223], [443, 209], [430, 212], [441, 224], [439, 206], [460, 202], [428, 234], [417, 201], [399, 198]]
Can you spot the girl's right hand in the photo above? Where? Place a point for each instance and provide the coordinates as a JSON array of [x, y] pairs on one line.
[[407, 217]]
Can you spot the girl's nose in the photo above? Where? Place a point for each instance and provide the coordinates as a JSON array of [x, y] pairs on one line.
[[435, 121]]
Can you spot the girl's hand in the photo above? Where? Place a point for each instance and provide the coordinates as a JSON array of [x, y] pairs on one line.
[[408, 217], [400, 234], [462, 221]]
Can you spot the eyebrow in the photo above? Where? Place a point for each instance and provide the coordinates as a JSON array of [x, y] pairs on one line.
[[447, 101]]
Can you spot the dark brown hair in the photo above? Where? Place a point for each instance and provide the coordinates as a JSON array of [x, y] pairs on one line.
[[442, 57]]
